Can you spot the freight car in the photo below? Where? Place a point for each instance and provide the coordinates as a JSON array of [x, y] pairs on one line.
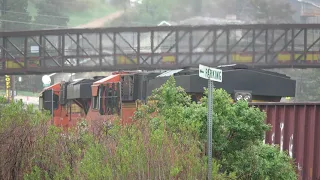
[[296, 129], [105, 98]]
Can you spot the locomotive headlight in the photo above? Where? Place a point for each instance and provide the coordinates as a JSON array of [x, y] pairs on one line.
[[239, 97], [247, 97], [243, 95]]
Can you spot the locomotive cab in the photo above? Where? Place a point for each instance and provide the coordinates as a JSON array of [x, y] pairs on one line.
[[114, 97], [49, 100]]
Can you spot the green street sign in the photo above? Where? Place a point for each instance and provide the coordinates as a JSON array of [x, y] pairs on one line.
[[210, 73]]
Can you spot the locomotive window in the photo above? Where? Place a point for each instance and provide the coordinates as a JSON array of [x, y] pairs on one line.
[[47, 100], [111, 99], [101, 100], [95, 102]]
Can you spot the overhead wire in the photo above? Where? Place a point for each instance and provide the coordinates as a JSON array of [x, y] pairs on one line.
[[43, 15], [77, 2], [64, 3], [15, 12], [20, 22], [33, 23]]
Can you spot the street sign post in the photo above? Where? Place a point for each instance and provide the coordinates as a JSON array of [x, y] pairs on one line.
[[212, 74]]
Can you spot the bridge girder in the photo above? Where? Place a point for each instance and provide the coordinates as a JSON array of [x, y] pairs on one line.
[[161, 47]]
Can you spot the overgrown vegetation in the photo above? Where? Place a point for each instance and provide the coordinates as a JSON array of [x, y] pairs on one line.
[[166, 141]]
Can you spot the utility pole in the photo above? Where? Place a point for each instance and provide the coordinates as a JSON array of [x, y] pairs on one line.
[[3, 26]]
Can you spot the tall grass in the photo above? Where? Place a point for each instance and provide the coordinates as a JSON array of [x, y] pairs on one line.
[[138, 152], [30, 149]]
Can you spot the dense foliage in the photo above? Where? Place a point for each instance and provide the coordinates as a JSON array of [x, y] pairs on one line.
[[238, 132], [152, 12], [14, 15], [51, 14], [19, 129], [166, 141]]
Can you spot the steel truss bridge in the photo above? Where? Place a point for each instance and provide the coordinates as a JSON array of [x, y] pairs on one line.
[[161, 47]]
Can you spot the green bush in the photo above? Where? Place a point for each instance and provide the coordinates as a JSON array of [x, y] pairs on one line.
[[261, 161], [238, 130]]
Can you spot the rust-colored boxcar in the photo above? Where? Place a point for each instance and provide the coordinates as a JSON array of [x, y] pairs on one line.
[[296, 128]]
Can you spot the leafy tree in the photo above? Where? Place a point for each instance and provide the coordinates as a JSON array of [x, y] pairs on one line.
[[151, 12], [235, 126], [262, 161], [15, 16], [238, 125], [272, 11], [154, 11], [51, 13], [238, 131]]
